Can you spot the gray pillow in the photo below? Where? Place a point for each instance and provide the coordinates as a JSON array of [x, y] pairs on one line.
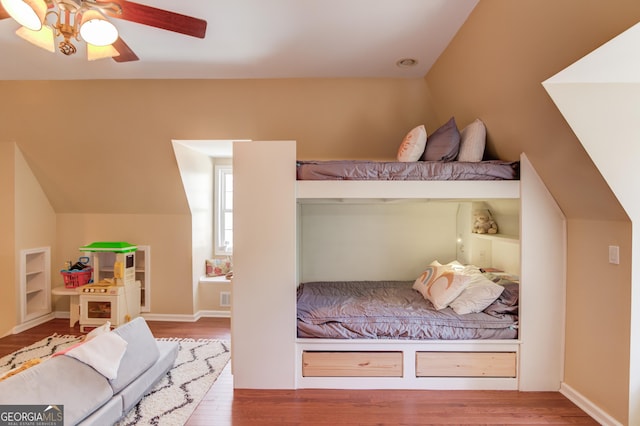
[[507, 302], [443, 144]]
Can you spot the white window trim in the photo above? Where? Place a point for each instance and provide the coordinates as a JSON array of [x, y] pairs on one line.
[[221, 171]]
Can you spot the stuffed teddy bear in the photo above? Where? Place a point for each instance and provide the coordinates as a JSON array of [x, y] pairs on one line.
[[483, 223]]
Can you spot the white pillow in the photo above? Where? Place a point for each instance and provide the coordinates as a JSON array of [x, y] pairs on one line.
[[104, 353], [458, 267], [477, 296], [413, 144], [440, 285], [472, 142], [104, 328]]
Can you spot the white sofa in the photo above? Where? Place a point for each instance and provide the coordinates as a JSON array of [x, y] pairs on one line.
[[87, 397]]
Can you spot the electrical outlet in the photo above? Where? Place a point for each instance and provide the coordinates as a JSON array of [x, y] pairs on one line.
[[614, 255]]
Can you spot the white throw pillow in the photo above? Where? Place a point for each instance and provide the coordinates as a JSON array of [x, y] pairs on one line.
[[472, 142], [477, 296], [458, 267], [440, 285], [104, 328], [413, 144], [104, 353]]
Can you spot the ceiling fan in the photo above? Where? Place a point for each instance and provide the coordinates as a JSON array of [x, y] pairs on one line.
[[77, 20]]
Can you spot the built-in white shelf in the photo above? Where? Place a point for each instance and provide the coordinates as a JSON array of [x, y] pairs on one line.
[[35, 283], [498, 237]]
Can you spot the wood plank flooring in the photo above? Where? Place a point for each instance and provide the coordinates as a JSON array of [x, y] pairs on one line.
[[225, 406]]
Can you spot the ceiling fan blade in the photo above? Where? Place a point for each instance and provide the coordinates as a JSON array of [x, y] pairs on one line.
[[160, 18], [126, 54], [3, 13]]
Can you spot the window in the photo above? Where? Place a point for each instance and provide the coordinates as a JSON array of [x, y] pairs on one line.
[[224, 209]]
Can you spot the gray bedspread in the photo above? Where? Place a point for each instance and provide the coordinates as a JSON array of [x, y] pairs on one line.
[[393, 310], [418, 170]]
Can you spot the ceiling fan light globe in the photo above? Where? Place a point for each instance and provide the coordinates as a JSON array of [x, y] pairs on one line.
[[28, 13], [96, 30], [101, 52], [44, 38]]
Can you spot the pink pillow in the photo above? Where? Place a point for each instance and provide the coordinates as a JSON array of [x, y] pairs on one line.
[[413, 144], [440, 285], [217, 267]]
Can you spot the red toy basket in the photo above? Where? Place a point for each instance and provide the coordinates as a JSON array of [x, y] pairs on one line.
[[73, 279]]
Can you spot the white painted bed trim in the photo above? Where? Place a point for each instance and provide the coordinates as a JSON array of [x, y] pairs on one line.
[[409, 348], [266, 272], [343, 189]]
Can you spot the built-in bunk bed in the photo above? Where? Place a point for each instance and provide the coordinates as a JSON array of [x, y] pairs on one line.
[[318, 237], [419, 339]]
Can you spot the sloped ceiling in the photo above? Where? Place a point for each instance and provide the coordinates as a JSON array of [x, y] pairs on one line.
[[494, 68], [599, 96]]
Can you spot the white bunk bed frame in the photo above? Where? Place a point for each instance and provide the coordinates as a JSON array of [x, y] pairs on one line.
[[266, 353]]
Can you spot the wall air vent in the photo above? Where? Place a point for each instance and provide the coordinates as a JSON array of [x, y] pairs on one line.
[[225, 298]]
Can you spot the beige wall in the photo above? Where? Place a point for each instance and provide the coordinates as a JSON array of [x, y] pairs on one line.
[[8, 260], [196, 171], [35, 221], [208, 302], [598, 312], [169, 237], [28, 221], [116, 157], [110, 173], [493, 70]]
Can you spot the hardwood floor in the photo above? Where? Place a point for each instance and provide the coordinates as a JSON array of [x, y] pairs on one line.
[[225, 406]]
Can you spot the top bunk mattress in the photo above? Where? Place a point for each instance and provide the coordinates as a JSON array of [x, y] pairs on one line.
[[418, 170]]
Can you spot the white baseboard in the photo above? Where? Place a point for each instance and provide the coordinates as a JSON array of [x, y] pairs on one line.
[[155, 317], [186, 318], [213, 314], [587, 406], [168, 317], [29, 324]]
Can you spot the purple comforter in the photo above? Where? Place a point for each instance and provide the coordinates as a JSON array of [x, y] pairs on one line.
[[394, 310], [419, 170]]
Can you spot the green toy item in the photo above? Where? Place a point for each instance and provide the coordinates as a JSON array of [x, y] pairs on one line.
[[110, 246]]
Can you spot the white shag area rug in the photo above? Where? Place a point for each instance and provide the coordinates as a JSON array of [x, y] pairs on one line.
[[174, 397]]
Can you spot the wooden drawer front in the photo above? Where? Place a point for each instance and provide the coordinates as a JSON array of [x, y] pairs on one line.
[[351, 364], [466, 364]]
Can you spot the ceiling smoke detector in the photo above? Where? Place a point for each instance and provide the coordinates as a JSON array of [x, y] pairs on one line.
[[406, 62]]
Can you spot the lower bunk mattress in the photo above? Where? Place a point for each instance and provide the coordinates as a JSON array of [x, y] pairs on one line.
[[394, 310]]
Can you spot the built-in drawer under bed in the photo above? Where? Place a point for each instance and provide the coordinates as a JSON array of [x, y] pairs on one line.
[[390, 364]]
